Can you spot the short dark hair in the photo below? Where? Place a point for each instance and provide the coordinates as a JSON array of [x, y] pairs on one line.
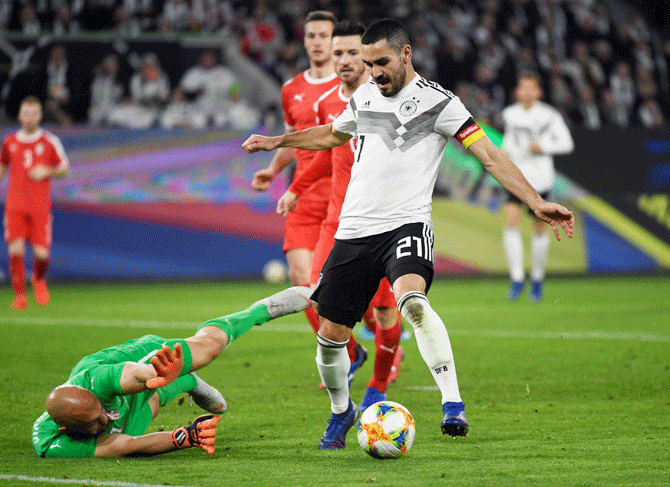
[[347, 28], [387, 29], [527, 74], [321, 15], [31, 100]]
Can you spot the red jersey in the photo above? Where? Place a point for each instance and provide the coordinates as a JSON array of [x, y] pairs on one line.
[[336, 161], [299, 96], [20, 152]]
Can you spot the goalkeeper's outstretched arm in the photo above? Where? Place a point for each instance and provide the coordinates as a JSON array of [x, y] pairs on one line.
[[201, 433]]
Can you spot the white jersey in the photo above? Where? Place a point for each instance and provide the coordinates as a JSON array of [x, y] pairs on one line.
[[541, 124], [401, 140]]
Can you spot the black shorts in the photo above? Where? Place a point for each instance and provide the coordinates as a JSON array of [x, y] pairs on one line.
[[546, 196], [350, 277]]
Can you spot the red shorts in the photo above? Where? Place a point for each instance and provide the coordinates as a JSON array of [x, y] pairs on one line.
[[31, 226], [323, 246], [302, 227]]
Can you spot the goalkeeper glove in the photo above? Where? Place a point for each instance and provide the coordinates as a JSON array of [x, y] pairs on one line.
[[201, 433], [167, 364]]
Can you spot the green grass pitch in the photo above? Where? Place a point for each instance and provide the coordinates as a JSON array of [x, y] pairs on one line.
[[573, 391]]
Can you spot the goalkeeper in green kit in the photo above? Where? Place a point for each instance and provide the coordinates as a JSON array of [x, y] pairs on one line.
[[112, 395]]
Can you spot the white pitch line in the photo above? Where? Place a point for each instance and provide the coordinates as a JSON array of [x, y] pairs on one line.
[[105, 483], [631, 336]]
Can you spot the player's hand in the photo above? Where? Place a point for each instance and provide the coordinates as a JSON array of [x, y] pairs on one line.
[[39, 172], [287, 203], [168, 365], [260, 142], [262, 179], [557, 215], [201, 433]]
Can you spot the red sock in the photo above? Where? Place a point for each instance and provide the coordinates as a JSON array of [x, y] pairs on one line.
[[17, 274], [369, 319], [312, 318], [40, 267], [388, 339], [351, 348]]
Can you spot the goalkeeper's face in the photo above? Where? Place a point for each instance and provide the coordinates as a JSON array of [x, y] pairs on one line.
[[77, 411], [86, 423]]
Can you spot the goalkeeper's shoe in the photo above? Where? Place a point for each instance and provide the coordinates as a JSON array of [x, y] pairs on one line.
[[287, 302], [454, 422], [338, 426], [201, 433], [207, 397], [20, 303]]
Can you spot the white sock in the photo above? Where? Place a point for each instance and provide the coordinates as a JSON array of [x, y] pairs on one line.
[[539, 252], [514, 251], [332, 360], [433, 341]]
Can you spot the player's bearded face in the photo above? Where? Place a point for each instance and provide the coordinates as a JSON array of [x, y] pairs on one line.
[[348, 58], [30, 116], [388, 69]]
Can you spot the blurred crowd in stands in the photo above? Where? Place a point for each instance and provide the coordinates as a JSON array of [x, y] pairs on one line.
[[596, 71]]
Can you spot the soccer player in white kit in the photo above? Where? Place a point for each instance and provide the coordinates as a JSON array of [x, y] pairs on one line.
[[402, 123], [534, 132]]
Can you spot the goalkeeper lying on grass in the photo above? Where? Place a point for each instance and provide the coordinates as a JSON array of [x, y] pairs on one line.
[[112, 395]]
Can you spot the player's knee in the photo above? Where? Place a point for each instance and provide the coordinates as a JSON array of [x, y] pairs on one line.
[[414, 307]]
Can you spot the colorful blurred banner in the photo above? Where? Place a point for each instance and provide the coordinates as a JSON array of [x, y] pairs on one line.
[[154, 203]]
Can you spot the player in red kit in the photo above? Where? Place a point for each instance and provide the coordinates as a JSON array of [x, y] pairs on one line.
[[299, 95], [352, 72], [33, 157]]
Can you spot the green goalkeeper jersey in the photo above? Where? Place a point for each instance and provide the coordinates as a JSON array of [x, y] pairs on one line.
[[100, 373]]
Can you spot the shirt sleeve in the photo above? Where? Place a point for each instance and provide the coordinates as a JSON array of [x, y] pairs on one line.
[[456, 121], [320, 166], [59, 156], [285, 95], [346, 122], [4, 154], [557, 139]]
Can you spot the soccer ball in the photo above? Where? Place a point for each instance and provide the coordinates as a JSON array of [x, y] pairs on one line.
[[386, 430], [274, 271]]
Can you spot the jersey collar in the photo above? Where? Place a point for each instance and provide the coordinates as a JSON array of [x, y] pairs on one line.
[[318, 81], [25, 138]]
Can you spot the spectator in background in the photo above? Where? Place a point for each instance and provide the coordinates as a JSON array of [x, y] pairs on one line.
[[263, 36], [64, 23], [587, 113], [182, 114], [30, 24], [106, 90], [241, 115], [210, 84], [126, 23], [175, 16], [623, 92], [650, 114], [149, 91], [58, 92]]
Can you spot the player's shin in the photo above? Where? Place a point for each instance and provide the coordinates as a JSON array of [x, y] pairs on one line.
[[333, 363], [185, 383], [433, 342]]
